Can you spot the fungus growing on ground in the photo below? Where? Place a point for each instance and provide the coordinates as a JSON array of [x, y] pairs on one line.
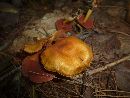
[[68, 57], [32, 69], [35, 46]]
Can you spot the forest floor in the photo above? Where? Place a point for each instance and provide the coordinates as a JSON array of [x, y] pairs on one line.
[[109, 39]]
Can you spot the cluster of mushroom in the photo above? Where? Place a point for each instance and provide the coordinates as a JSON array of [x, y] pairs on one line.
[[67, 56], [60, 53]]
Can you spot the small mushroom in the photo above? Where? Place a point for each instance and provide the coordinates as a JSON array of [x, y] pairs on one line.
[[32, 69], [35, 46], [69, 56]]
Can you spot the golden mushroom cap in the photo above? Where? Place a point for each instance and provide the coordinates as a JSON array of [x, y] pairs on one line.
[[69, 57], [34, 46]]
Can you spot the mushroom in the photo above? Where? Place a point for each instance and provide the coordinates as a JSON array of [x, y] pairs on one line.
[[35, 46], [32, 69], [68, 57]]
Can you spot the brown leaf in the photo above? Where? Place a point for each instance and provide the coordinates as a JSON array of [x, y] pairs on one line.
[[32, 69], [88, 24], [62, 25]]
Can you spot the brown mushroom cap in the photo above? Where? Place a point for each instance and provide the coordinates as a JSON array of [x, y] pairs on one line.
[[32, 69], [68, 57], [35, 46]]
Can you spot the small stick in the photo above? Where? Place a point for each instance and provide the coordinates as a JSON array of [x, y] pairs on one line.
[[107, 6], [123, 33], [45, 32], [100, 69], [88, 15], [111, 96], [109, 90]]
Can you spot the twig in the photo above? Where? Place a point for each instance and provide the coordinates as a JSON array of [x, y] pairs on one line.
[[112, 96], [107, 6], [43, 92], [109, 90], [100, 69], [45, 31], [123, 33]]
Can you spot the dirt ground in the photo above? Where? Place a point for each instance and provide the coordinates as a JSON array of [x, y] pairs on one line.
[[109, 39]]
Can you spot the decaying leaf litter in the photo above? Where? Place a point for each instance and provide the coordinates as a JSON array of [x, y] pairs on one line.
[[109, 39]]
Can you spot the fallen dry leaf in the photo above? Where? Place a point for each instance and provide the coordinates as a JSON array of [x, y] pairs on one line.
[[88, 24], [32, 69], [61, 24]]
